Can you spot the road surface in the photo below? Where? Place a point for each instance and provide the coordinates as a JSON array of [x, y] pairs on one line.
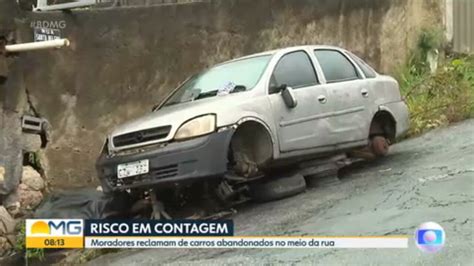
[[428, 178]]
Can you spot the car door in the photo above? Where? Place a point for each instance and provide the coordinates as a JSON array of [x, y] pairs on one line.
[[300, 127], [347, 87]]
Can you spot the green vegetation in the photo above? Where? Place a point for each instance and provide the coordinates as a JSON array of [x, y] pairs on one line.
[[438, 98], [30, 253], [34, 159], [90, 254]]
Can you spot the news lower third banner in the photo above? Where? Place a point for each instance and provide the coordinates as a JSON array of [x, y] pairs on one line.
[[77, 233]]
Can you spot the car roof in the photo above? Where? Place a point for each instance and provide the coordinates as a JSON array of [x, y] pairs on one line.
[[283, 50]]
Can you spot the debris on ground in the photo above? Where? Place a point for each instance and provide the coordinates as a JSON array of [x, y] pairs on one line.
[[29, 198], [18, 205], [7, 228], [32, 178], [84, 204]]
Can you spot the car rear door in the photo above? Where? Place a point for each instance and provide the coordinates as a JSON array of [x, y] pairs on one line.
[[350, 121], [300, 127]]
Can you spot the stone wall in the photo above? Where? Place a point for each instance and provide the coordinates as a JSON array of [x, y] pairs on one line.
[[11, 101], [122, 61]]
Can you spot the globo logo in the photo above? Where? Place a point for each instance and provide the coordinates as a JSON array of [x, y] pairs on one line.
[[430, 237]]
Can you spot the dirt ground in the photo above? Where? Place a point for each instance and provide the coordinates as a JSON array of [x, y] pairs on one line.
[[429, 178]]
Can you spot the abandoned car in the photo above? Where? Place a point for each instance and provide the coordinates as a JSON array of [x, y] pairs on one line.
[[249, 118]]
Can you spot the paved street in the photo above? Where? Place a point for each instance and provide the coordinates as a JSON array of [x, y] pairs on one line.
[[429, 178]]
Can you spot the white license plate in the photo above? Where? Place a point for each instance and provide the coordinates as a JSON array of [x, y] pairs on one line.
[[132, 169]]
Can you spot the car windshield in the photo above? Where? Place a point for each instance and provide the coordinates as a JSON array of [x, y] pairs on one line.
[[222, 79]]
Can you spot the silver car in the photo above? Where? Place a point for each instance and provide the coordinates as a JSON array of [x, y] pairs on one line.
[[255, 115]]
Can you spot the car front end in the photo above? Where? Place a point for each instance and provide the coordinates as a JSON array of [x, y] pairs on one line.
[[195, 150]]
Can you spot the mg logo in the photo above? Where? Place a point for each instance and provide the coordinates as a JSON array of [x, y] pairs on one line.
[[55, 227], [69, 228]]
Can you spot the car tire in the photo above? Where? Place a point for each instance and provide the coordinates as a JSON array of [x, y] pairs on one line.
[[326, 178], [277, 188]]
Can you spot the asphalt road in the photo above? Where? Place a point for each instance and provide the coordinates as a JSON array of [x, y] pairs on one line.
[[429, 178]]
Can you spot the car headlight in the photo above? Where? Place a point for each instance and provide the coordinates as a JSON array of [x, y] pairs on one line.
[[196, 127]]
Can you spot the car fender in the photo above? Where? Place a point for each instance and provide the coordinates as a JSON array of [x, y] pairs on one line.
[[386, 109], [255, 117], [400, 114]]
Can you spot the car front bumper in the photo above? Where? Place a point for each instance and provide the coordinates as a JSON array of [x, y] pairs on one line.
[[176, 162]]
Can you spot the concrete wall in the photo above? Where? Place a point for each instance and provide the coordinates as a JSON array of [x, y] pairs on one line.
[[123, 61]]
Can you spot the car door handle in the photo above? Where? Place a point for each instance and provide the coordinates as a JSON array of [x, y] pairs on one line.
[[364, 92], [322, 99]]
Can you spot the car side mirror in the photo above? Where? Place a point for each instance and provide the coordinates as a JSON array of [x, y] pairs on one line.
[[276, 89], [289, 97]]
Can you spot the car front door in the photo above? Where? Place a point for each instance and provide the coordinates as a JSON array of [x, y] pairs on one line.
[[350, 121], [300, 127]]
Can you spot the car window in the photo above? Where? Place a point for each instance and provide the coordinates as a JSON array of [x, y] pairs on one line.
[[229, 77], [295, 70], [368, 71], [336, 67]]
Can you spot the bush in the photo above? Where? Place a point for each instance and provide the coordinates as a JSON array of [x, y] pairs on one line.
[[430, 40], [438, 98], [441, 98]]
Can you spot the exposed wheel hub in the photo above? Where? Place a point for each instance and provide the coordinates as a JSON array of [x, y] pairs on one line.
[[379, 145]]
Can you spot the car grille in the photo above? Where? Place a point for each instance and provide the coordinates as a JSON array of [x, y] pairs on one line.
[[141, 136], [154, 174]]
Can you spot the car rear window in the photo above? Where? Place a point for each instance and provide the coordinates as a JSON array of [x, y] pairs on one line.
[[368, 71]]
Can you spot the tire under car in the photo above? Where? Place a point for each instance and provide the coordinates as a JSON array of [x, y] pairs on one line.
[[277, 188]]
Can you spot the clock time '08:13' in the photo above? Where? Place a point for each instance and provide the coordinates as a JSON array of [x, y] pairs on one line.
[[54, 242]]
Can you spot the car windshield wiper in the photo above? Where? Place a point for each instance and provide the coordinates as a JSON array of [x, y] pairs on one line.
[[190, 98], [206, 94], [173, 103], [237, 88]]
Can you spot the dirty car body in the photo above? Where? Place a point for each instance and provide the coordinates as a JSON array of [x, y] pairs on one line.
[[264, 110]]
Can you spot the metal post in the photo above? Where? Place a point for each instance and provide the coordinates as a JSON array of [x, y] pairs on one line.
[[42, 5], [30, 46]]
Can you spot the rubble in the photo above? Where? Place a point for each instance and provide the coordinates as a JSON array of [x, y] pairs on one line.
[[14, 208], [18, 204], [27, 195], [32, 178], [29, 199], [11, 201], [5, 245], [7, 223], [7, 228]]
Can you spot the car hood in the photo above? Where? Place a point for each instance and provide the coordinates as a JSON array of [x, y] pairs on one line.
[[176, 115]]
